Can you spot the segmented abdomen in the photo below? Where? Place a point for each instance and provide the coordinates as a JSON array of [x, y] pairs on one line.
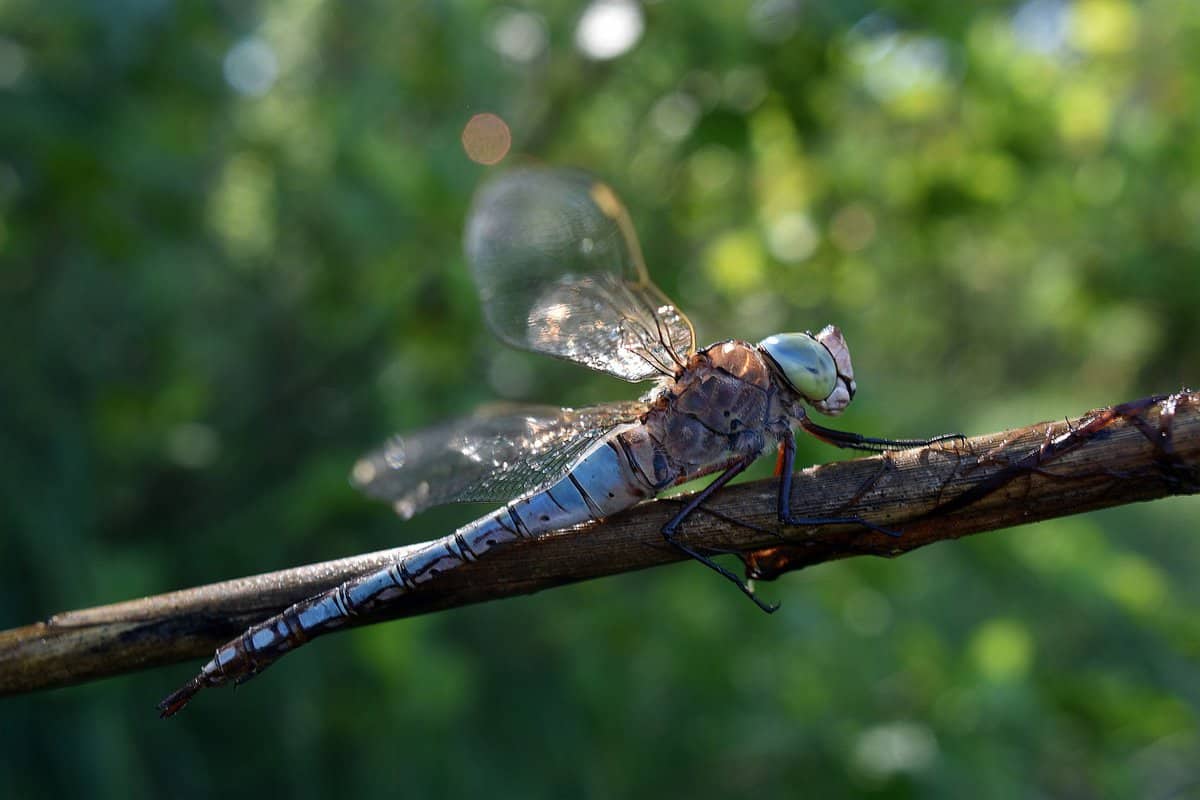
[[603, 483]]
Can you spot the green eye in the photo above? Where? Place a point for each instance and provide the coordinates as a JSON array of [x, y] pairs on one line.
[[805, 362]]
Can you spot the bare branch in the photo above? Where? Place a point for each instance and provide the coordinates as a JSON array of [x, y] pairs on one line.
[[1135, 451]]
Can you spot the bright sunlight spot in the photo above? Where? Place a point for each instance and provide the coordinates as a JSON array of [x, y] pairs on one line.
[[609, 28]]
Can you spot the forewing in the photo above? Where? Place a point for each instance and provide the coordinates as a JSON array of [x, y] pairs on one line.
[[496, 456], [560, 271]]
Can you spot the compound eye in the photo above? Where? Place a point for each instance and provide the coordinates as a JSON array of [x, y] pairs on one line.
[[806, 363]]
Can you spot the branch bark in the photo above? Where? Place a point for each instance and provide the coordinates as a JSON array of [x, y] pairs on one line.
[[1135, 451]]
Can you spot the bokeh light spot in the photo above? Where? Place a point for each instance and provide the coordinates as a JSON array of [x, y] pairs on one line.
[[13, 63], [1103, 26], [609, 28], [1135, 583], [486, 139], [1041, 26], [852, 228], [193, 445], [744, 88], [1084, 114], [792, 237], [911, 74], [712, 169], [734, 262], [773, 20], [675, 115], [992, 176], [241, 206], [519, 36], [895, 747], [1117, 339], [1002, 649], [251, 67]]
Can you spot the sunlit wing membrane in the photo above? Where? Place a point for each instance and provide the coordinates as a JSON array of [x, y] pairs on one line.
[[560, 271], [491, 457]]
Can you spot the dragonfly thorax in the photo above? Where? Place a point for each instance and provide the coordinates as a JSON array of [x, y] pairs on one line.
[[817, 368]]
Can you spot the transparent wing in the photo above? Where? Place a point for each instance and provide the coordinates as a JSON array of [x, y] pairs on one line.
[[499, 455], [560, 271]]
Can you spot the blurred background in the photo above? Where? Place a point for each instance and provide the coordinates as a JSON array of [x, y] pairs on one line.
[[230, 262]]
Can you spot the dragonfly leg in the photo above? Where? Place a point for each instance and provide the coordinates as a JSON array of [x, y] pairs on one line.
[[788, 464], [669, 530], [856, 441]]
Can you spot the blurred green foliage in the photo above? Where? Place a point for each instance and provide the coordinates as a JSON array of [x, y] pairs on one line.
[[230, 262]]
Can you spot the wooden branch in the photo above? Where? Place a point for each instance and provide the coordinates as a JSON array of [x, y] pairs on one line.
[[1135, 451]]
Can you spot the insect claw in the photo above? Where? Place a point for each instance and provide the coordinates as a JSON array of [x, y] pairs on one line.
[[742, 585], [770, 608]]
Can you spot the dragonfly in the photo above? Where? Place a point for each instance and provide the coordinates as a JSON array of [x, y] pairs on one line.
[[559, 271]]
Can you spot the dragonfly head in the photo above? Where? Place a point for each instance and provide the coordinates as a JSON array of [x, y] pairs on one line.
[[816, 367]]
